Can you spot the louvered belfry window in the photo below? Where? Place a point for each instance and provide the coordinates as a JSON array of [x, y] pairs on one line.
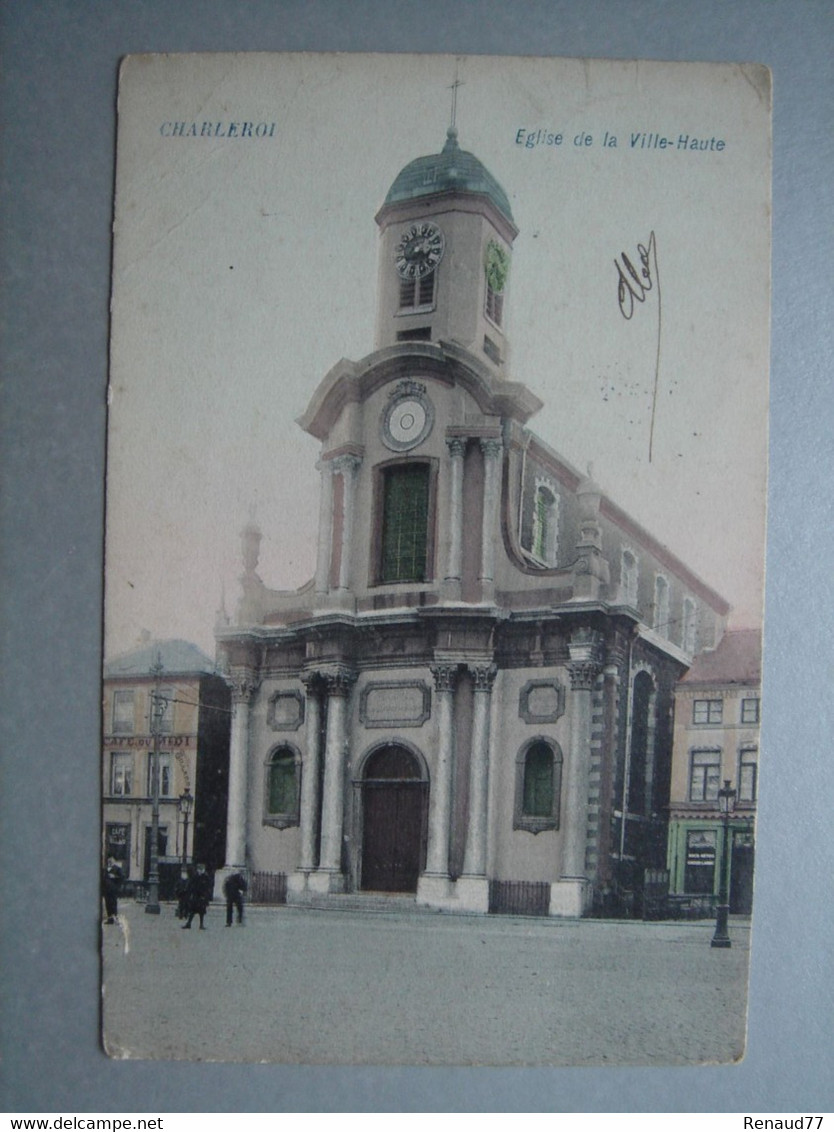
[[417, 292], [405, 523]]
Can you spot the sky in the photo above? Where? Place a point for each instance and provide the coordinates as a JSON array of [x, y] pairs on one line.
[[246, 267]]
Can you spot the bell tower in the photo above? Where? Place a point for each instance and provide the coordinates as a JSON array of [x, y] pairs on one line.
[[447, 232]]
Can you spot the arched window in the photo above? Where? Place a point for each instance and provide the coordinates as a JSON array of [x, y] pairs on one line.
[[283, 773], [538, 786], [689, 638], [661, 605], [628, 578], [545, 524]]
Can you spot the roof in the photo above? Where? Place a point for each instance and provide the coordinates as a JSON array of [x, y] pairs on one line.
[[179, 658], [451, 170], [736, 660]]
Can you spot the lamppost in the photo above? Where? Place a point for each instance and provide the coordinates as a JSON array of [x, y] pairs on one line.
[[184, 804], [158, 705], [726, 804]]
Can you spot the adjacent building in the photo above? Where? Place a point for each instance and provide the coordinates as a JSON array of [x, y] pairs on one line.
[[192, 746], [716, 740], [473, 695]]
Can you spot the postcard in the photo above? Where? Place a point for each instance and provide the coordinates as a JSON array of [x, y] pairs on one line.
[[434, 562]]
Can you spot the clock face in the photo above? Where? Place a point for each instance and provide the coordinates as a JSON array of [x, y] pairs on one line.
[[419, 251], [407, 421]]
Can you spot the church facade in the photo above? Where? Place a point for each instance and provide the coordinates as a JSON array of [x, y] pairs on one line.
[[476, 687]]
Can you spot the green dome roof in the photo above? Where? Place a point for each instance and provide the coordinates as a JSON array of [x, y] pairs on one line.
[[452, 170]]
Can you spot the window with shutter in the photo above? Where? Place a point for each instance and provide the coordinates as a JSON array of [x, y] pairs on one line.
[[538, 787]]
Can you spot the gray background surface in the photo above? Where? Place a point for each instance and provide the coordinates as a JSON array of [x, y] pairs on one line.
[[58, 106]]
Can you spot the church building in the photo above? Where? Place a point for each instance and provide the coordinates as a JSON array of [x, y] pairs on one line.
[[473, 695]]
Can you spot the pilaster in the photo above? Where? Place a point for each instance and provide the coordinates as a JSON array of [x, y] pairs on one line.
[[571, 894], [452, 581], [472, 889], [243, 683], [434, 885], [491, 449], [329, 877], [325, 529], [346, 466], [309, 784]]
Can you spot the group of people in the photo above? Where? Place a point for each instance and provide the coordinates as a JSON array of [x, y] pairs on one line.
[[194, 894], [197, 890]]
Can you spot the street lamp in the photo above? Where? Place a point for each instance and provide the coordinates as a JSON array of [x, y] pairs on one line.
[[726, 804], [184, 804], [158, 705]]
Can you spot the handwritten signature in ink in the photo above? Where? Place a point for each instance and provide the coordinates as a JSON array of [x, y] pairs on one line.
[[633, 286], [634, 283]]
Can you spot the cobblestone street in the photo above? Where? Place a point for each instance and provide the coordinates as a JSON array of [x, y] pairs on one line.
[[310, 987]]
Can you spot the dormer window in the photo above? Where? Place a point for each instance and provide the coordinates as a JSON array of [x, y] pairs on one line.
[[123, 712]]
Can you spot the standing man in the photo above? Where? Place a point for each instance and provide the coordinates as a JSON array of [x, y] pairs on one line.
[[234, 887], [198, 896], [112, 883]]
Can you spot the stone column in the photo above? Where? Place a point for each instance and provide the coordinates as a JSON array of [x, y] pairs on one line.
[[472, 887], [489, 527], [325, 527], [346, 466], [329, 877], [570, 896], [243, 684], [457, 448], [309, 784], [434, 886]]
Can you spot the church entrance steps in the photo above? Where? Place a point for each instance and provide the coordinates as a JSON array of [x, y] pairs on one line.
[[374, 902]]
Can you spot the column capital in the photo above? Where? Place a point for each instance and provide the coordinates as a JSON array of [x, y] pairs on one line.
[[339, 680], [243, 683], [312, 680], [491, 447], [583, 675], [346, 464], [445, 676], [483, 676], [456, 446], [586, 650]]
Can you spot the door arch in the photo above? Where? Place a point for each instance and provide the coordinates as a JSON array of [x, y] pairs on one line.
[[394, 819]]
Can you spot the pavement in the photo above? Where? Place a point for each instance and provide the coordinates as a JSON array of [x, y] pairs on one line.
[[308, 986]]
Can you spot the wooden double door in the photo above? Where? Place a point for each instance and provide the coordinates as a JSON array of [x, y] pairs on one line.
[[394, 821]]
